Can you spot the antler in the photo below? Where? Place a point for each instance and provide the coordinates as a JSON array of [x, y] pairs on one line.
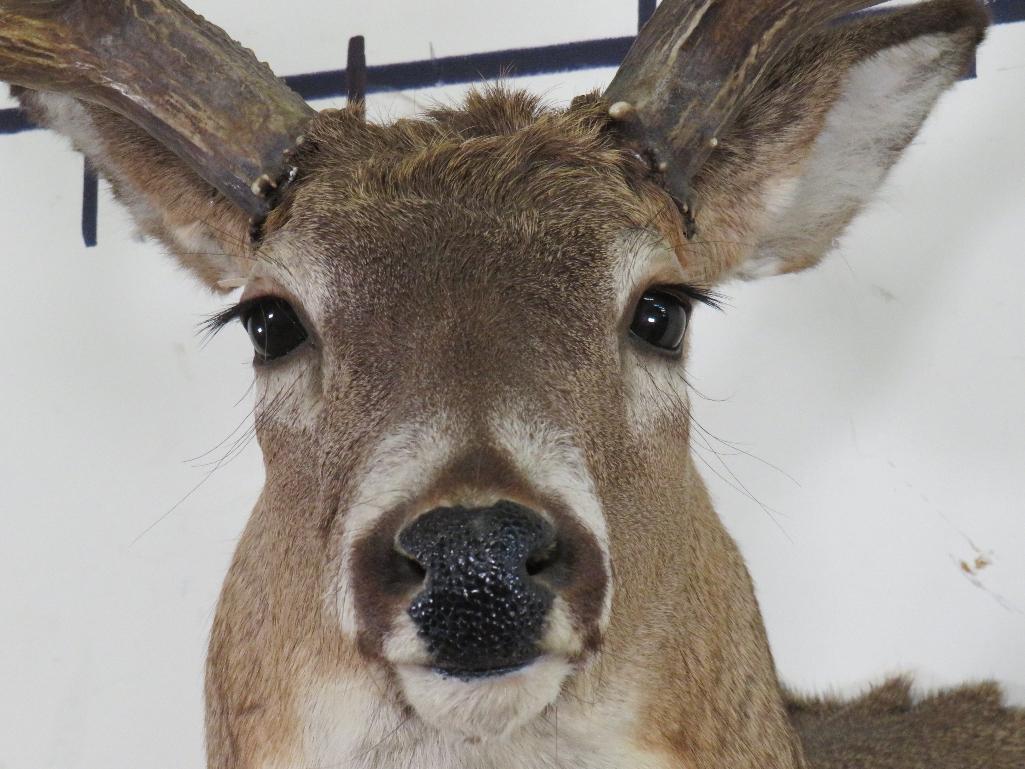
[[175, 75], [691, 68]]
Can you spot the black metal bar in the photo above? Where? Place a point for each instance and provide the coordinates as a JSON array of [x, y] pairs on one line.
[[13, 121], [453, 70], [1006, 11], [90, 201], [356, 70]]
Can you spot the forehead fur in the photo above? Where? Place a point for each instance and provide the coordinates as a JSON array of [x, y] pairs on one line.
[[501, 151]]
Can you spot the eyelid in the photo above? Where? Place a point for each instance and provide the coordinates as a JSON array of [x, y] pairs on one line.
[[261, 288]]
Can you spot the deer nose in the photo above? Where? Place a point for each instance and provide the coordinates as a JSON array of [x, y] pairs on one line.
[[483, 605]]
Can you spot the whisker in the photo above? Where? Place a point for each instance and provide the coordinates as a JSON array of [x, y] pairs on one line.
[[233, 452]]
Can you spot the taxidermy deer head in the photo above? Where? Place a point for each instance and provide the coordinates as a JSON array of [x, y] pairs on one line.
[[482, 542]]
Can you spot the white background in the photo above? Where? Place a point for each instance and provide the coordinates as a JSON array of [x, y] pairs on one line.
[[874, 411]]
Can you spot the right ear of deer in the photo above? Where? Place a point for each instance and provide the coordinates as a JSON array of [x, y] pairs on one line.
[[691, 68], [172, 73]]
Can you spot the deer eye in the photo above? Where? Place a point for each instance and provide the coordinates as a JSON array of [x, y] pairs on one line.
[[660, 320], [274, 329]]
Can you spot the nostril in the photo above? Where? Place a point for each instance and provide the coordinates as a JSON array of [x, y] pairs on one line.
[[543, 560], [412, 568], [406, 570]]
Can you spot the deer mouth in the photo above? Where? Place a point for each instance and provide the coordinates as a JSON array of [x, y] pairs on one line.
[[483, 703], [473, 674]]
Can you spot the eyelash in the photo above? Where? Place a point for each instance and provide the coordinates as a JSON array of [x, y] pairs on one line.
[[228, 315], [700, 294]]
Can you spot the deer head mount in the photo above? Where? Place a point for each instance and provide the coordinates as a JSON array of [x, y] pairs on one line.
[[480, 507]]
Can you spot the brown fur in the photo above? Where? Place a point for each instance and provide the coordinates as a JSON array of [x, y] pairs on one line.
[[464, 263], [964, 728]]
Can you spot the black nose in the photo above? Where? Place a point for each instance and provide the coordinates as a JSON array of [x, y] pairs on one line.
[[481, 610]]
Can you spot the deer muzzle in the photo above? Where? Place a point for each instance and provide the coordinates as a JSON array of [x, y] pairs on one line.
[[480, 580]]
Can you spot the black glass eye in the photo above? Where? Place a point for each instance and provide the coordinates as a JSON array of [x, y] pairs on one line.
[[660, 320], [273, 327]]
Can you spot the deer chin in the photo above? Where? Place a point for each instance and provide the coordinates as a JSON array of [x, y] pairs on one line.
[[489, 705], [484, 707]]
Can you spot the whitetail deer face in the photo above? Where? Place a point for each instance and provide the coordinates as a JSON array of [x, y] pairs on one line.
[[486, 394], [470, 334]]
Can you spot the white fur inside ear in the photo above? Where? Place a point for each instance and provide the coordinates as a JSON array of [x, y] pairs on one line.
[[884, 102], [66, 115], [194, 242]]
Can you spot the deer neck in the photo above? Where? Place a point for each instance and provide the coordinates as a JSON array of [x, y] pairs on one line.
[[688, 643]]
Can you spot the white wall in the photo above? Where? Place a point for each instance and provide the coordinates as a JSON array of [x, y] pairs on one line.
[[869, 415]]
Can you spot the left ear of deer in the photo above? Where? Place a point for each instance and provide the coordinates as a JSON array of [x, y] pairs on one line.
[[814, 143]]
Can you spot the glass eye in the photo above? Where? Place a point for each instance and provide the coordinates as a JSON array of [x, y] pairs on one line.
[[660, 320], [274, 329]]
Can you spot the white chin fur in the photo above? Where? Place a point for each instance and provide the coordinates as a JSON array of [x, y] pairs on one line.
[[485, 707]]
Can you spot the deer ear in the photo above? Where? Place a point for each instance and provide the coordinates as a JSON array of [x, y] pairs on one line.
[[814, 143], [207, 233]]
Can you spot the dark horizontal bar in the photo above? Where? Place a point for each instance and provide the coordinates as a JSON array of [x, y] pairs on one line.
[[1006, 11], [13, 121], [452, 70]]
